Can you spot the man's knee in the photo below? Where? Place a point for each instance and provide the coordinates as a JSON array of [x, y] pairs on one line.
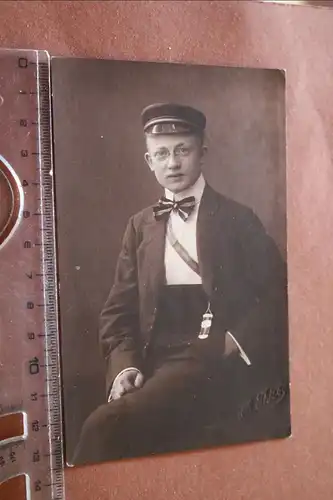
[[101, 434], [104, 419]]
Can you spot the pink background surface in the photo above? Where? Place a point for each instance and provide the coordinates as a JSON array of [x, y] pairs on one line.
[[299, 39]]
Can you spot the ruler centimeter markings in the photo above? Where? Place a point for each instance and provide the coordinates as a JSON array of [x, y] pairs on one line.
[[29, 333]]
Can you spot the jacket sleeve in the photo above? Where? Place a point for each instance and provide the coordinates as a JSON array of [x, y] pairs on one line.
[[119, 320], [262, 331]]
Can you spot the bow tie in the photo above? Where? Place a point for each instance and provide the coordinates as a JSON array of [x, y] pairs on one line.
[[165, 206]]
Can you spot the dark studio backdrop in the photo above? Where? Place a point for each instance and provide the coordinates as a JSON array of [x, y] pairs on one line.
[[102, 179]]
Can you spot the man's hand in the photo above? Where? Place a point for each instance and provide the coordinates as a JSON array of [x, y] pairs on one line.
[[128, 381]]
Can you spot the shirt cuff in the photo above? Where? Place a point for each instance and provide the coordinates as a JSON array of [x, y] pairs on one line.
[[130, 368], [241, 351]]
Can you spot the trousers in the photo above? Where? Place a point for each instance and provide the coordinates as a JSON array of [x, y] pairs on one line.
[[188, 385], [172, 403]]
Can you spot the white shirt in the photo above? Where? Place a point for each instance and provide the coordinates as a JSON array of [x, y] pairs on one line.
[[176, 270]]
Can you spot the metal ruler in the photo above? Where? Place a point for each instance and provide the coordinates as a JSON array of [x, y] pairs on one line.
[[29, 335]]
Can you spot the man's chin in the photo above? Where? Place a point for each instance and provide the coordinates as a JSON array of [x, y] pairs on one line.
[[177, 185]]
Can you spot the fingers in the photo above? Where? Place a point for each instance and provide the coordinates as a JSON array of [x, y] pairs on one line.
[[139, 379], [127, 382]]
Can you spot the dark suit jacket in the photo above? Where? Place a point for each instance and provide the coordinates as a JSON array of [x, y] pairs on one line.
[[242, 274]]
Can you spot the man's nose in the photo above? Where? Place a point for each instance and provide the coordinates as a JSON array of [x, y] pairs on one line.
[[173, 161]]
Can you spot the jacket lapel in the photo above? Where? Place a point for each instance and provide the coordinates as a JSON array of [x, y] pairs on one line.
[[151, 255], [207, 233]]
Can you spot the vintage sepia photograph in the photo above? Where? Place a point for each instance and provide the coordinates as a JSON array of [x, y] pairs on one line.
[[172, 256]]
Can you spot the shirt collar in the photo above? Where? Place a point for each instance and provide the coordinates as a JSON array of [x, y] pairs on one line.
[[195, 190]]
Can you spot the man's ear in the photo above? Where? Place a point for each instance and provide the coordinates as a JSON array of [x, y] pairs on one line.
[[148, 161], [204, 150]]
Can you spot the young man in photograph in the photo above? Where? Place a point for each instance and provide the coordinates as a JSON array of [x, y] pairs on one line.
[[194, 331]]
